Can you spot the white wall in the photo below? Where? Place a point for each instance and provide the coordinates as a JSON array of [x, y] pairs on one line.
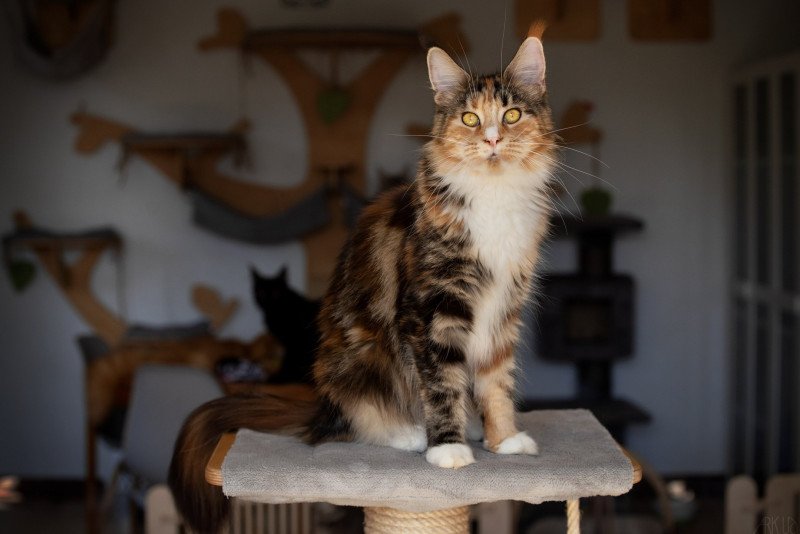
[[663, 108]]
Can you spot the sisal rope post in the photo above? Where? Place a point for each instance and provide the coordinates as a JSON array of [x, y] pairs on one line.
[[381, 520], [573, 517]]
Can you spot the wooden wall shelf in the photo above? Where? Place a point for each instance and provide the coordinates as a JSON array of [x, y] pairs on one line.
[[336, 116], [188, 141], [36, 239], [338, 39], [73, 278]]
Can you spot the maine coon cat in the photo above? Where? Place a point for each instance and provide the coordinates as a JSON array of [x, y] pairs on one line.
[[420, 321]]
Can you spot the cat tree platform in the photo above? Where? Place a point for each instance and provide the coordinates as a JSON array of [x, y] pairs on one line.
[[401, 492]]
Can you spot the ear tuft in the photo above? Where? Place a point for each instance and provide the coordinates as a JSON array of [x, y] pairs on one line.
[[528, 66], [445, 75]]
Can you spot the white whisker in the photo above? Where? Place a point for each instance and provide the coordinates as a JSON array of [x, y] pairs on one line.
[[609, 184], [450, 139], [598, 160], [565, 128]]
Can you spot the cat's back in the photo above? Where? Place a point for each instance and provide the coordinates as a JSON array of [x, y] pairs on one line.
[[367, 281]]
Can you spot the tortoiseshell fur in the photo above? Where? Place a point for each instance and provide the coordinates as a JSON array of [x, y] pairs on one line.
[[422, 315], [419, 325]]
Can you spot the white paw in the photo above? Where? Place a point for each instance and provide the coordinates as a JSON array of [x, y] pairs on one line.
[[450, 455], [411, 438], [520, 443]]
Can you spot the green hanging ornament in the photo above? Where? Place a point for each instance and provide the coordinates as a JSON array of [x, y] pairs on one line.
[[332, 103], [22, 273]]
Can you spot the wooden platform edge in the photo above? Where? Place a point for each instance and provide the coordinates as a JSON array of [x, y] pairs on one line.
[[637, 467], [214, 466]]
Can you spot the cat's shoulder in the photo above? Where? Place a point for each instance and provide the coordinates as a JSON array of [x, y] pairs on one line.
[[394, 207]]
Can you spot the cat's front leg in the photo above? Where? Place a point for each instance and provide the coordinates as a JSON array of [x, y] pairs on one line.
[[444, 394], [494, 389]]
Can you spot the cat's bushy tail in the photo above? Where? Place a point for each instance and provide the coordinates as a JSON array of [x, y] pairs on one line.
[[203, 507]]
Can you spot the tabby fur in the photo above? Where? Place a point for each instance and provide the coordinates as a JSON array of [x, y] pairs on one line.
[[422, 315]]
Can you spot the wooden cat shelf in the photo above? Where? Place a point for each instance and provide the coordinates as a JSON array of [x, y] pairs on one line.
[[354, 39], [336, 117], [74, 278], [186, 146], [177, 153], [233, 32]]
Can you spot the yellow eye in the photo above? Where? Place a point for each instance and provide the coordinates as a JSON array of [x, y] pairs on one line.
[[512, 115], [470, 119]]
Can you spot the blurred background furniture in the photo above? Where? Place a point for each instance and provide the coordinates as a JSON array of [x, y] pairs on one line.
[[586, 318], [777, 511], [161, 399]]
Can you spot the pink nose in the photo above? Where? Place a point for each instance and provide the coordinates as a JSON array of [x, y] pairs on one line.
[[492, 136]]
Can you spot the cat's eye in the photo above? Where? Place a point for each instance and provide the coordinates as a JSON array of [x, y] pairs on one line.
[[470, 119], [512, 115]]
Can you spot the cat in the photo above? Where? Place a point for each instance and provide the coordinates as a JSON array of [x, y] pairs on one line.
[[422, 315], [292, 320]]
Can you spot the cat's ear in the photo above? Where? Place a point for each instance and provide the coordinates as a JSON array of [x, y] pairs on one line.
[[282, 274], [255, 276], [527, 67], [445, 75]]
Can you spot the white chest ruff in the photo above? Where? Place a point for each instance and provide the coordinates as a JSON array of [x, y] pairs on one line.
[[502, 223]]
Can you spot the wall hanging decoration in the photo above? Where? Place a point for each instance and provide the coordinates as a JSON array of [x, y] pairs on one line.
[[73, 279], [566, 20], [51, 249], [670, 20], [223, 204], [59, 39], [336, 117], [21, 272]]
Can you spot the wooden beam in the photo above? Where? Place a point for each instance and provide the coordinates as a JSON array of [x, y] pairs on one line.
[[338, 39]]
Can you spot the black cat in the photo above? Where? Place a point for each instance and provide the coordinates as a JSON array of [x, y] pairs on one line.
[[292, 319]]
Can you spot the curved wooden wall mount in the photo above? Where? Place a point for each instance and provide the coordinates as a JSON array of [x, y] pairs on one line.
[[332, 145], [343, 142], [74, 279]]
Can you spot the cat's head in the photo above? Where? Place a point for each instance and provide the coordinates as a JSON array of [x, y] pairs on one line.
[[491, 123], [269, 290]]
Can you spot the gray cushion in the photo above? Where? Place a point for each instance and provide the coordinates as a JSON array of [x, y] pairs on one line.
[[577, 458]]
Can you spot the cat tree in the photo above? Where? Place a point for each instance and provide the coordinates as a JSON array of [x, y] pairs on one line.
[[401, 492], [106, 374]]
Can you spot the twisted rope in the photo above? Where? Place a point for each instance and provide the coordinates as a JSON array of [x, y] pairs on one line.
[[573, 517], [380, 520]]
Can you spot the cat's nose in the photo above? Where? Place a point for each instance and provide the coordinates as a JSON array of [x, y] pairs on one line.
[[491, 136]]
